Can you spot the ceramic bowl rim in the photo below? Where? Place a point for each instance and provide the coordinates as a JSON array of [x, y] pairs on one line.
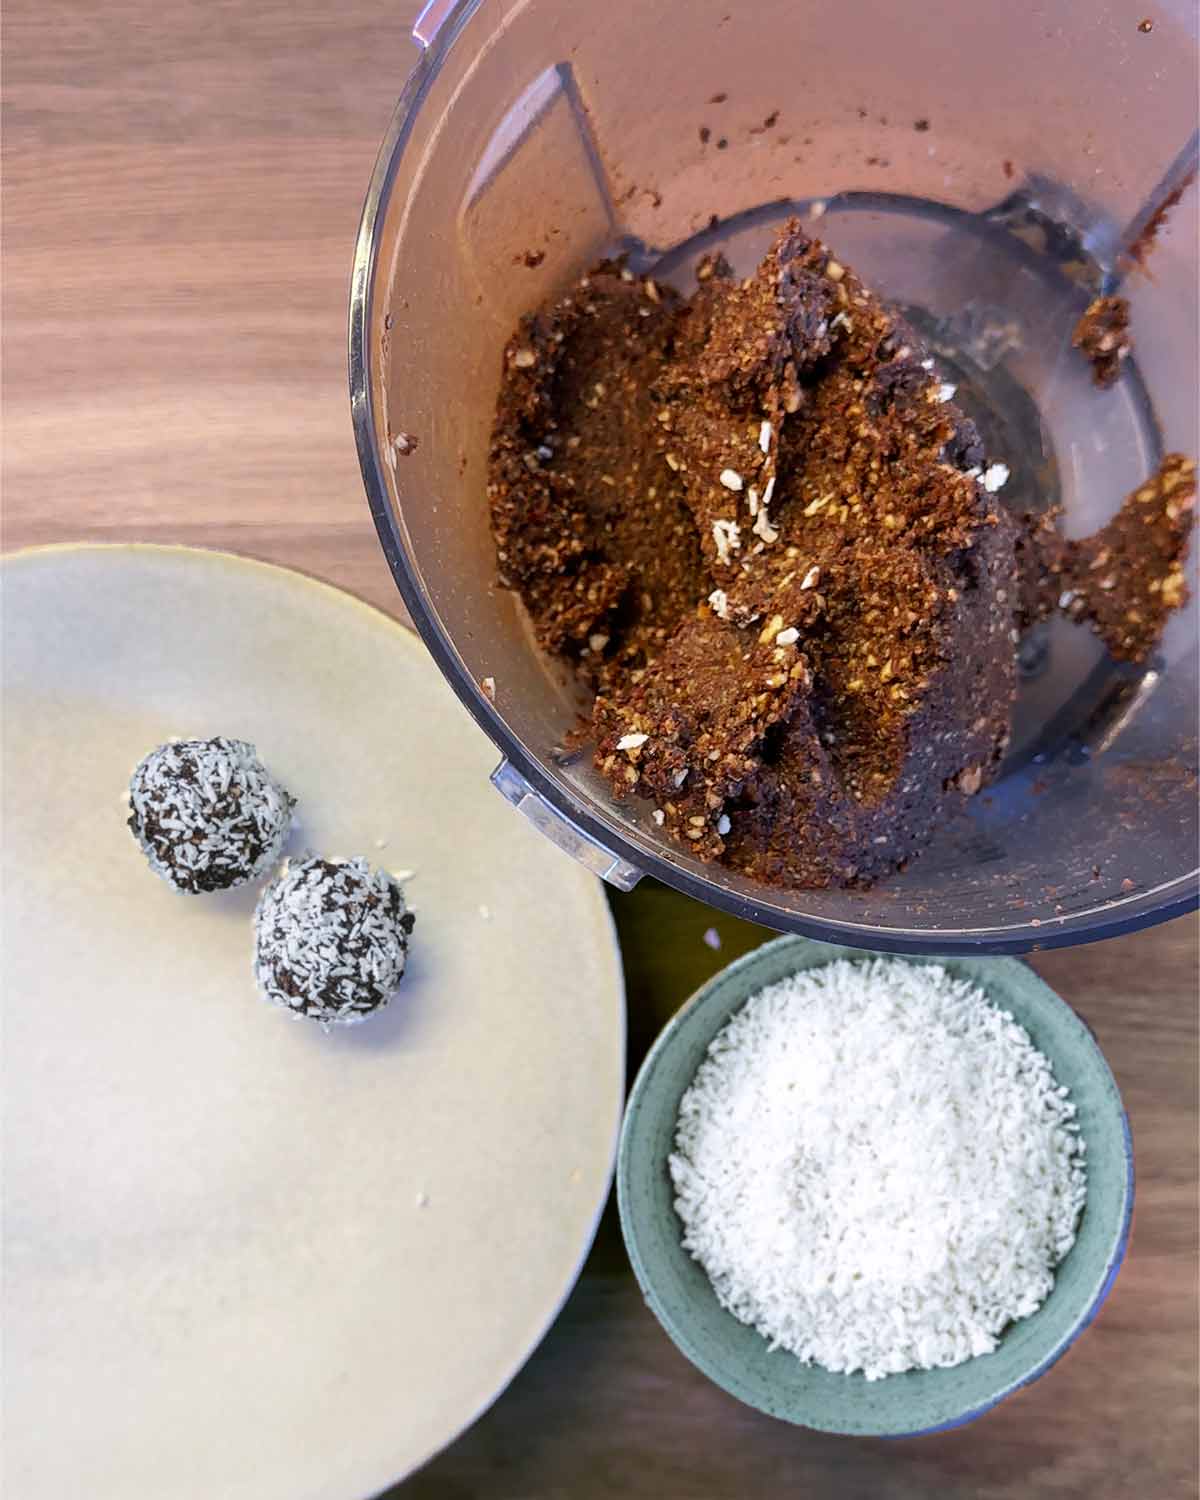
[[677, 1328]]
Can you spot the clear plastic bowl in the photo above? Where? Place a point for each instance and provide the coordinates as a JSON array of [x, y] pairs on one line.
[[982, 165]]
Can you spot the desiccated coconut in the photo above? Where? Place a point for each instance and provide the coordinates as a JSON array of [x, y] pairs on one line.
[[876, 1168]]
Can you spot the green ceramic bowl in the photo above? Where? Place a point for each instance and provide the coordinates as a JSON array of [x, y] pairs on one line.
[[919, 1401]]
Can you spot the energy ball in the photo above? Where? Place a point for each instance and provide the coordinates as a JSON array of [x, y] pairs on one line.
[[331, 939], [208, 814]]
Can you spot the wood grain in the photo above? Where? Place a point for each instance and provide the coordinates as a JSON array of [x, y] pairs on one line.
[[182, 189], [182, 184]]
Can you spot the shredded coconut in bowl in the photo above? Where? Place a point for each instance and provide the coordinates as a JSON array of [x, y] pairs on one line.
[[876, 1168]]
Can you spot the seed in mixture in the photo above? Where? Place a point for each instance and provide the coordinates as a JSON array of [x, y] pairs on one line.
[[995, 477], [727, 536], [719, 601]]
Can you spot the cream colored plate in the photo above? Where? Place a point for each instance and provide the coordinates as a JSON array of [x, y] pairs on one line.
[[243, 1258]]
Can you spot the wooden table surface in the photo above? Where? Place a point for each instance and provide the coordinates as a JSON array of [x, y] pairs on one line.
[[182, 187]]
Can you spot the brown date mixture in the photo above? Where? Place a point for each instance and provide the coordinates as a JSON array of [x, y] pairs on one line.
[[773, 549], [1102, 334]]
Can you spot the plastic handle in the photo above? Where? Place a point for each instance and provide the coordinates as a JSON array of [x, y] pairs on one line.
[[561, 831]]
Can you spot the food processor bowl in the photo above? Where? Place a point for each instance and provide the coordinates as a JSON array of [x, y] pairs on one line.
[[987, 168]]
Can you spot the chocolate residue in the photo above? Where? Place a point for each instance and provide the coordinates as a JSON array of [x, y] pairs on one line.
[[1138, 253]]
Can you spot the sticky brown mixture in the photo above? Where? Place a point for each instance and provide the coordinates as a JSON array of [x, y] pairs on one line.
[[1127, 578], [774, 551], [1102, 334]]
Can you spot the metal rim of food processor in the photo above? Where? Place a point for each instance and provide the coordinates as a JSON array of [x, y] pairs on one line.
[[624, 859]]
